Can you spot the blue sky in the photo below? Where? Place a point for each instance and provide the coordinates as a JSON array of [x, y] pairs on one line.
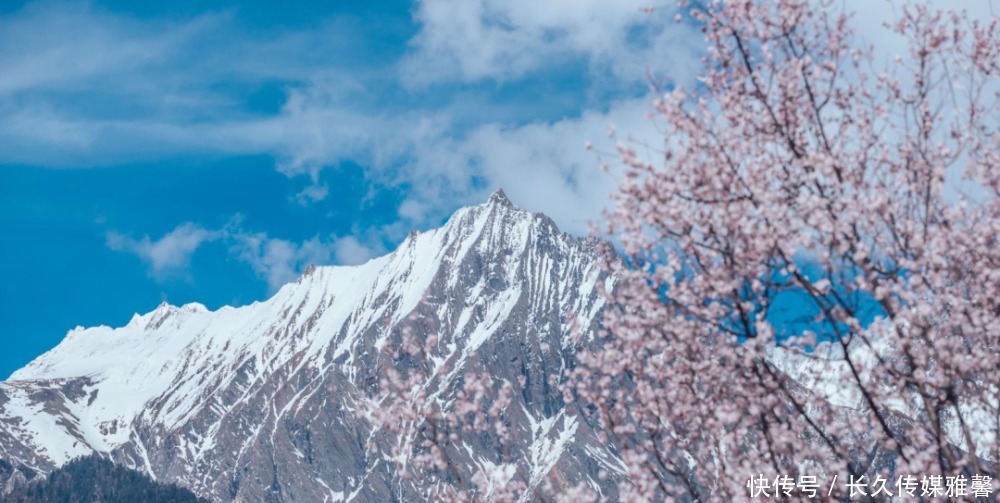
[[207, 151]]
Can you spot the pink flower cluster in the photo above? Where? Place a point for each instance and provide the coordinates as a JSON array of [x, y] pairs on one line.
[[798, 167]]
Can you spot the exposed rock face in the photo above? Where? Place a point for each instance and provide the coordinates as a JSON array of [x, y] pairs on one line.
[[259, 403]]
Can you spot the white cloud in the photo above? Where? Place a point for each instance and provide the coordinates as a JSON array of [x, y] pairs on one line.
[[275, 260], [311, 194], [82, 86], [160, 81], [350, 251], [542, 166], [452, 150], [444, 155], [279, 261], [321, 123], [168, 256], [36, 53], [471, 40]]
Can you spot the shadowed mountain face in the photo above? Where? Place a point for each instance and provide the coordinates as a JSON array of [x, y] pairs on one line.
[[261, 402]]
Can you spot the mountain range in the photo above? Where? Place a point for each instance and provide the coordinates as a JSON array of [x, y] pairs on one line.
[[265, 402]]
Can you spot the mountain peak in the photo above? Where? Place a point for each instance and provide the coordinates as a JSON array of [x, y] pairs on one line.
[[187, 395], [499, 198]]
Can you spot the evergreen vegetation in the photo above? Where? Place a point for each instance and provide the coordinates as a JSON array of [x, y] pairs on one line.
[[93, 479]]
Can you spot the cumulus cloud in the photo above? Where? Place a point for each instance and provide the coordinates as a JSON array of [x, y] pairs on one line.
[[277, 261], [311, 194], [505, 39], [280, 261], [167, 256], [350, 251], [543, 166]]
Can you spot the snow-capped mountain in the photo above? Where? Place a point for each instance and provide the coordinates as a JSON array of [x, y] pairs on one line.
[[260, 402]]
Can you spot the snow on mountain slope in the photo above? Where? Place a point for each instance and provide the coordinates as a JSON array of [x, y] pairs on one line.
[[254, 402], [166, 349]]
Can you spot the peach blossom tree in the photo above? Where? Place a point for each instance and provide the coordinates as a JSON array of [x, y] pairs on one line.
[[798, 168]]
